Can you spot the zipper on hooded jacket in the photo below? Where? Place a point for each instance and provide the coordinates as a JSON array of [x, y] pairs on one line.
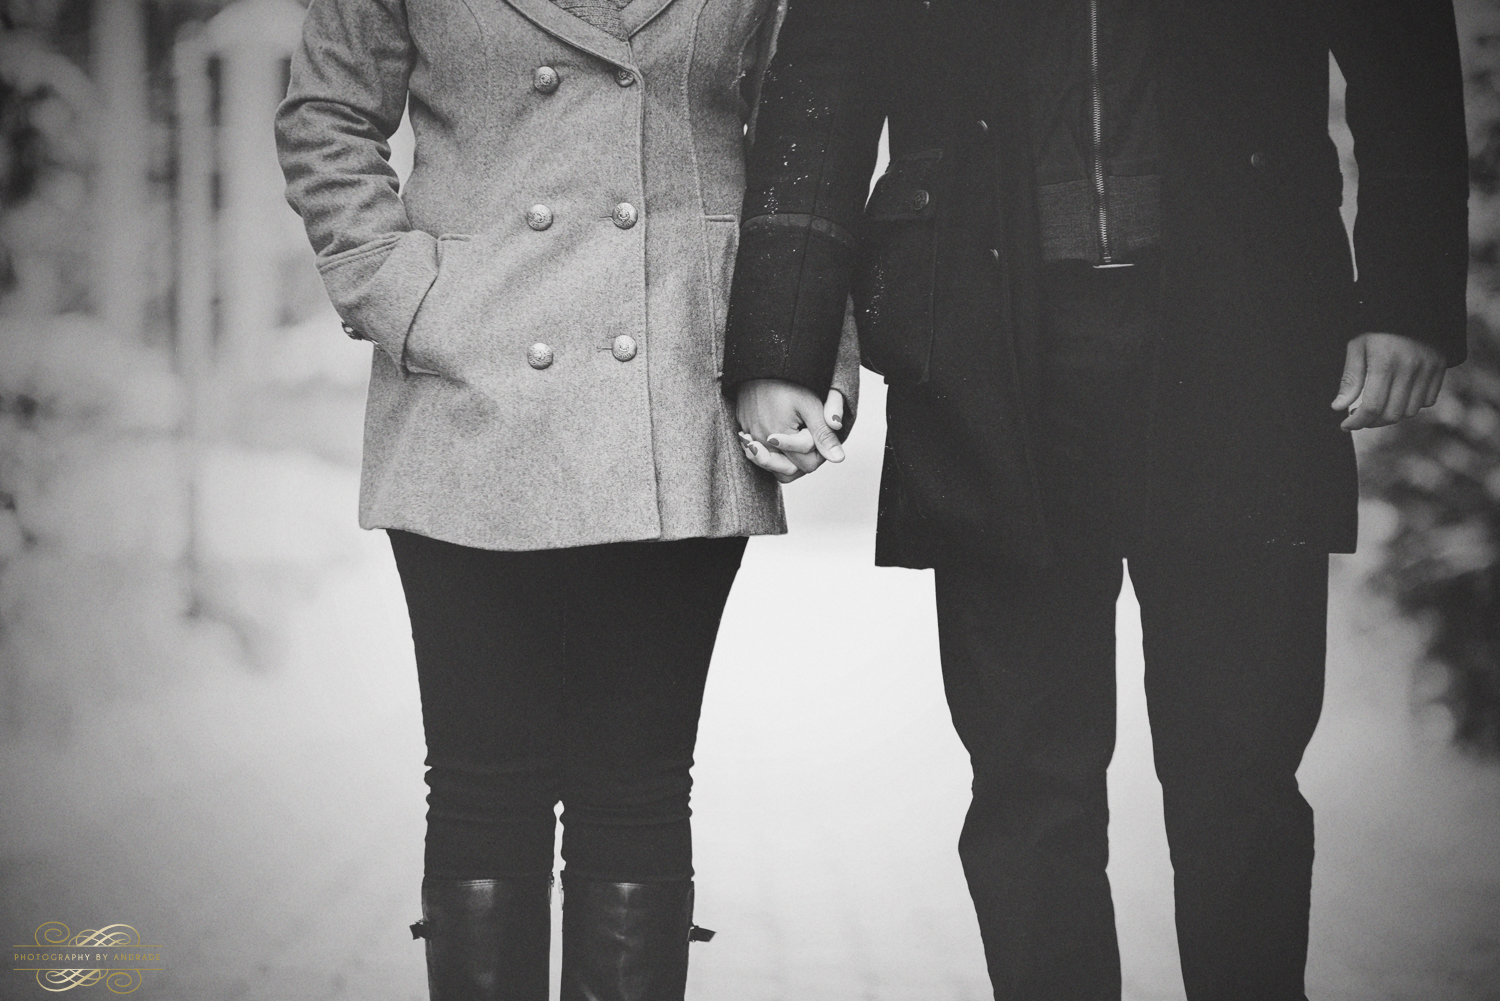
[[1092, 103], [1096, 104], [1096, 101]]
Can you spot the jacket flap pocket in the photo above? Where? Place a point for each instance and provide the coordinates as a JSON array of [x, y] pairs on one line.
[[906, 190]]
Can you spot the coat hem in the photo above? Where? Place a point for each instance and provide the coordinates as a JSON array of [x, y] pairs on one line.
[[489, 543]]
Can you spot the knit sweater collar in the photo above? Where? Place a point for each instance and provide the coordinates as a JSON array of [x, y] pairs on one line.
[[602, 14]]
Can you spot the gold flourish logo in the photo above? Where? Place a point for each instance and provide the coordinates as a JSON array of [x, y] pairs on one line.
[[112, 955]]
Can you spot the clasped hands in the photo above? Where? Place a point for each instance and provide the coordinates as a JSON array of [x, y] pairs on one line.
[[786, 430]]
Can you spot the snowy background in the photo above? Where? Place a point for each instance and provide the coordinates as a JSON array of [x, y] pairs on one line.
[[208, 712]]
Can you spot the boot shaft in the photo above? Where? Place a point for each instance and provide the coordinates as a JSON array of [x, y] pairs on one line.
[[625, 941], [487, 939]]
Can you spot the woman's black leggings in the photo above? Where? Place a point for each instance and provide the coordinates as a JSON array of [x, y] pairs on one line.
[[572, 675]]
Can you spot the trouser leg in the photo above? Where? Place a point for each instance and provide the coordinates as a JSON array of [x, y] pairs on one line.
[[635, 689], [488, 629], [1235, 648], [641, 627], [1029, 655], [1028, 665]]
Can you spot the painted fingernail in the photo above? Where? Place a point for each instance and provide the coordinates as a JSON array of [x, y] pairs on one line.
[[836, 421], [774, 439]]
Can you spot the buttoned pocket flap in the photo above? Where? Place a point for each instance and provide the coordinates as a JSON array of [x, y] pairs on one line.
[[907, 190]]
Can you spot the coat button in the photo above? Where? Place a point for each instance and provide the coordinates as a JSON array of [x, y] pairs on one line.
[[353, 334], [623, 348], [544, 79], [539, 355], [920, 200], [625, 215], [1258, 161], [624, 77], [983, 126], [539, 217]]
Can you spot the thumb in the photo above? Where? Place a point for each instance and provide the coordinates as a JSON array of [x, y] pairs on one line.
[[833, 410], [1353, 381], [824, 438]]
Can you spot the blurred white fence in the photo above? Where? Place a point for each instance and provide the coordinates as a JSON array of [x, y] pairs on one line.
[[178, 438], [237, 239]]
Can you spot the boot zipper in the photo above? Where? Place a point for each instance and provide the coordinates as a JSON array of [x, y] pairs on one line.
[[1096, 94]]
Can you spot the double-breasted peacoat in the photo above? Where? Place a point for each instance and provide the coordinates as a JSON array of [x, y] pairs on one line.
[[1260, 295], [548, 292]]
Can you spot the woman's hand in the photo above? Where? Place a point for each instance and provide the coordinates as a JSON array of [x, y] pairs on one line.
[[786, 429]]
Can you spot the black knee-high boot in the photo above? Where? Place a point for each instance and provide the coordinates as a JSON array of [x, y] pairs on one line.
[[487, 939], [626, 941]]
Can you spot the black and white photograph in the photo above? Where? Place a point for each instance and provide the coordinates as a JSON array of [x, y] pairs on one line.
[[750, 500]]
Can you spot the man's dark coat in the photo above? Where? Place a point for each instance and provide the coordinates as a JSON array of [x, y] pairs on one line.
[[1259, 292]]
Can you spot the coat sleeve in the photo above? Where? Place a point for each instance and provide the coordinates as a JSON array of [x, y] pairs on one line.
[[765, 48], [345, 99], [1405, 109], [816, 134]]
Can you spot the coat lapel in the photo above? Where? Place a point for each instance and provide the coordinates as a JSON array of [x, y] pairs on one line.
[[579, 33]]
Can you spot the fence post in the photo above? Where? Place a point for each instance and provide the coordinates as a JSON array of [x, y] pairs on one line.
[[120, 182], [229, 253]]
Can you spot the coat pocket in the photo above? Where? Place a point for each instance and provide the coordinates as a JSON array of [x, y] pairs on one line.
[[721, 236], [893, 289], [429, 343]]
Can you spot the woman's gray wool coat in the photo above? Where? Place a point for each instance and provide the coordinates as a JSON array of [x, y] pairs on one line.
[[549, 289]]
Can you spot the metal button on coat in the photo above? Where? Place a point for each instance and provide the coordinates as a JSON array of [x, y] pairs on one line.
[[539, 355], [623, 348], [352, 333], [539, 217], [625, 215], [1258, 161], [544, 79], [920, 199], [624, 77]]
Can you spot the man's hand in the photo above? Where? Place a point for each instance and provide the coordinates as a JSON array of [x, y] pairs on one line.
[[786, 429], [1387, 377]]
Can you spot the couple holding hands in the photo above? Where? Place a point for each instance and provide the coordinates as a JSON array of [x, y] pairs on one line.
[[1106, 278]]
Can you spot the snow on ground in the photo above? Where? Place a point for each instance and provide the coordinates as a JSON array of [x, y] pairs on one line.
[[227, 754]]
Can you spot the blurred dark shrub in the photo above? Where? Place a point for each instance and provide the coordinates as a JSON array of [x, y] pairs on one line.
[[1442, 471]]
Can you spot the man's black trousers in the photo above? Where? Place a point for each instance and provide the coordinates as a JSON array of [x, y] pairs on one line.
[[1234, 648]]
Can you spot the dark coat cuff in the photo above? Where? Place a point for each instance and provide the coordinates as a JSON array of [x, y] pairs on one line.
[[786, 316]]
